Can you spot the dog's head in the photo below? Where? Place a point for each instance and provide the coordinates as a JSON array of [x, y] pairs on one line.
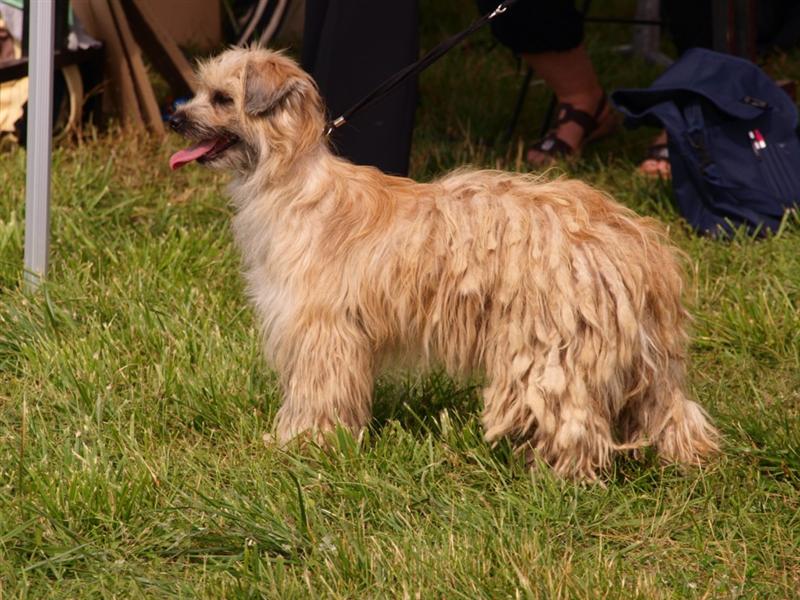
[[251, 107]]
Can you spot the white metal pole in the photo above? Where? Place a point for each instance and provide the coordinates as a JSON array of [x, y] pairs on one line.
[[41, 36]]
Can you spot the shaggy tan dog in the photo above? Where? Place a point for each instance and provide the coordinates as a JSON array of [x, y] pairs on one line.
[[567, 303]]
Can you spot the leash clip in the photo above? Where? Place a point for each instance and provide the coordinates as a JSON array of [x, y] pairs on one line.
[[501, 8], [335, 124]]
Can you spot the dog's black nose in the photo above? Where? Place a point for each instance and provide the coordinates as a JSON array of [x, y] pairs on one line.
[[177, 121]]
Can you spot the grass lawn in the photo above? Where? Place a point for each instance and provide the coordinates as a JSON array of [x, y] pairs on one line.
[[133, 401]]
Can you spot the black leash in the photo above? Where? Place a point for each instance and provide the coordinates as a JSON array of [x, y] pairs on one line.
[[417, 67]]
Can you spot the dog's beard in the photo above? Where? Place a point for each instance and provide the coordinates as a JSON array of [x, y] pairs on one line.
[[207, 150]]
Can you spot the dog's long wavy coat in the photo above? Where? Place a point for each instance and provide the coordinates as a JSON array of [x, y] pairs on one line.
[[568, 303]]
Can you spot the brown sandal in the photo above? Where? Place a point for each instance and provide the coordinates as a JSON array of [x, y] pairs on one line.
[[555, 148]]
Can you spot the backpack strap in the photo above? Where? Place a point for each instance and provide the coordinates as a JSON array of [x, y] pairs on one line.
[[696, 134]]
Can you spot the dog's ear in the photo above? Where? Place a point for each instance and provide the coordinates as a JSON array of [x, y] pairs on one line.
[[265, 87]]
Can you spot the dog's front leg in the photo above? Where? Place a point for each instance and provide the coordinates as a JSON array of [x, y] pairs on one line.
[[327, 375]]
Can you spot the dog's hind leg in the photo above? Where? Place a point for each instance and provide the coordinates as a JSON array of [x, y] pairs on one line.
[[578, 441], [547, 406], [327, 376]]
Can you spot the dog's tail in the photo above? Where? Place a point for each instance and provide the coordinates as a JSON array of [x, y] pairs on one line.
[[684, 433], [661, 415]]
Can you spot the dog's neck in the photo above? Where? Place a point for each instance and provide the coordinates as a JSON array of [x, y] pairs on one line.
[[302, 176], [285, 179], [268, 201]]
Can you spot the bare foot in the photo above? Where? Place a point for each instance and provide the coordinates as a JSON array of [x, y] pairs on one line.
[[656, 165]]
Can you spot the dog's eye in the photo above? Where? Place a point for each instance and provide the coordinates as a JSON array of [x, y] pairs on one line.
[[220, 99]]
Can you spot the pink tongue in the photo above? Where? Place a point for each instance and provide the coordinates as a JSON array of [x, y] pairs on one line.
[[187, 155]]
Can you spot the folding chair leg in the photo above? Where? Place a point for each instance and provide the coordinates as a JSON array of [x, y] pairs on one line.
[[523, 93], [548, 116]]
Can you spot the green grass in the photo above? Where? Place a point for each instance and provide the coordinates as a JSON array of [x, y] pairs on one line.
[[133, 401]]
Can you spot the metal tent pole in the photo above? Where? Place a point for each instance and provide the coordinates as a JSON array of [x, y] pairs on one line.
[[41, 37]]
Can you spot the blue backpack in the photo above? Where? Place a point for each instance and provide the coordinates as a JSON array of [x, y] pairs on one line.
[[733, 145]]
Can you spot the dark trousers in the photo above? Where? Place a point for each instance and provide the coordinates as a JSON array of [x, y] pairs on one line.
[[351, 46], [534, 26]]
